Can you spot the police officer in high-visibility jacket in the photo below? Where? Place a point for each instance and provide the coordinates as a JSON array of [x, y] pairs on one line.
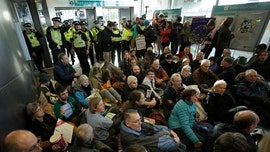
[[126, 36], [116, 38], [90, 38], [81, 47], [69, 36], [34, 47], [95, 30], [56, 38]]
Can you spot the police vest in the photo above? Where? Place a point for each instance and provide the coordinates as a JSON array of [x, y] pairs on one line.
[[127, 34], [78, 41], [94, 32], [33, 39], [56, 36], [116, 36], [69, 34], [87, 33]]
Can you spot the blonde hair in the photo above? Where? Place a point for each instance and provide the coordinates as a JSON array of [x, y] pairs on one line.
[[82, 79], [264, 144]]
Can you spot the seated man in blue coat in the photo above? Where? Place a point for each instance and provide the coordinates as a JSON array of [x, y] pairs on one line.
[[63, 72], [155, 138]]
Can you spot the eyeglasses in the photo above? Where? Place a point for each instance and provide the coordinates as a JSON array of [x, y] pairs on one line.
[[36, 147]]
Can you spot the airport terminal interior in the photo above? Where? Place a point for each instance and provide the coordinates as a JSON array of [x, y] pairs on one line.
[[116, 32]]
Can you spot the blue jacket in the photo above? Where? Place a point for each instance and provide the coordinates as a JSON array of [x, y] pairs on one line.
[[182, 116], [153, 137], [64, 74]]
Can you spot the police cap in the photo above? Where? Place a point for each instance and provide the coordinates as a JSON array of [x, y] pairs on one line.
[[57, 19], [27, 25], [76, 23], [83, 23], [95, 22]]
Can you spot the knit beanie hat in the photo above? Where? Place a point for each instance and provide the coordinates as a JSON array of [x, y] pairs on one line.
[[130, 79], [228, 60]]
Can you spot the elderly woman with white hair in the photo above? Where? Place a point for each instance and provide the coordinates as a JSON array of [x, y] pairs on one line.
[[83, 89], [220, 105]]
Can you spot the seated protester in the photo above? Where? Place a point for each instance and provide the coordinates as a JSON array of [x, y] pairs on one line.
[[219, 105], [96, 65], [149, 81], [197, 62], [42, 125], [47, 87], [187, 78], [204, 77], [124, 65], [147, 61], [225, 53], [244, 122], [227, 71], [85, 141], [137, 100], [179, 65], [262, 64], [182, 121], [155, 138], [168, 65], [231, 142], [254, 57], [66, 107], [109, 93], [82, 90], [102, 126], [133, 56], [21, 141], [161, 76], [172, 94], [114, 75], [253, 94], [166, 51], [63, 72], [185, 54], [213, 65], [137, 72], [129, 86]]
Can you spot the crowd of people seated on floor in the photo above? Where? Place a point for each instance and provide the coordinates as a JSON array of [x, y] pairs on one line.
[[153, 102]]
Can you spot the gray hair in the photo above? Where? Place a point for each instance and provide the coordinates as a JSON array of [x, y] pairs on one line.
[[218, 82], [185, 67], [82, 79], [228, 51], [247, 72], [174, 75], [85, 133], [205, 61], [31, 108]]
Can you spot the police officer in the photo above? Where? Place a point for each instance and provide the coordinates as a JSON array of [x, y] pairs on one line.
[[90, 38], [116, 38], [69, 36], [34, 47], [95, 30], [56, 38], [81, 47], [126, 36]]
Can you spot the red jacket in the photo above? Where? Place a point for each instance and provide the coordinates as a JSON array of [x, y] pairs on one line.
[[165, 35]]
